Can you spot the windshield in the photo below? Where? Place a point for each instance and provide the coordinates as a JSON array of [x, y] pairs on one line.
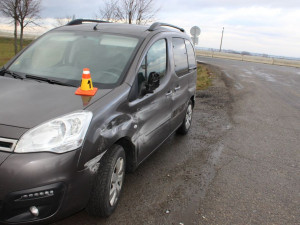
[[63, 55]]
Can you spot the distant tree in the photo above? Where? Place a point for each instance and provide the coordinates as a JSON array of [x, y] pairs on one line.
[[245, 53], [23, 12], [61, 21], [126, 10], [8, 8], [109, 11], [28, 11], [129, 11], [146, 11]]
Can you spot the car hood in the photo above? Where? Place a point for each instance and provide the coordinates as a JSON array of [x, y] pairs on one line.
[[28, 103]]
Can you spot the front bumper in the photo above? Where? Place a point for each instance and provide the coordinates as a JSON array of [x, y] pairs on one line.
[[50, 182], [47, 199]]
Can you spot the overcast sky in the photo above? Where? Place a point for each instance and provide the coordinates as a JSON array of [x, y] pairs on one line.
[[262, 26]]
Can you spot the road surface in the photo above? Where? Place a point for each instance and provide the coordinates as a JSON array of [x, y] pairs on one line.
[[240, 163]]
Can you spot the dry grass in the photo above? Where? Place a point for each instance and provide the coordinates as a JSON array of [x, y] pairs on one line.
[[7, 49], [204, 77]]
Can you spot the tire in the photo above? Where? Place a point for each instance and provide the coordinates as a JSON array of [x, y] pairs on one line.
[[187, 121], [107, 181]]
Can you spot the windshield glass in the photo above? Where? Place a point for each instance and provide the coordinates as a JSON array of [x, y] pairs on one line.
[[63, 55]]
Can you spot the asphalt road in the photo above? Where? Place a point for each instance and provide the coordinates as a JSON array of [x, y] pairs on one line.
[[240, 163]]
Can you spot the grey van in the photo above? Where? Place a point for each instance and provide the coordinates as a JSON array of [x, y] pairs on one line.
[[61, 152]]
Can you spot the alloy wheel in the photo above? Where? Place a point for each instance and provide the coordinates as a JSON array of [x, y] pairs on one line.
[[116, 181]]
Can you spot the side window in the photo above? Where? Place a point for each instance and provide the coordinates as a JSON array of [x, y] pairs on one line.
[[155, 60], [180, 56], [191, 54]]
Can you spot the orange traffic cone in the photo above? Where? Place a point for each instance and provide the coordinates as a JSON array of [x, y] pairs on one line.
[[86, 87]]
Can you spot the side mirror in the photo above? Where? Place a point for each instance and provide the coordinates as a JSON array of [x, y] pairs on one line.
[[153, 82]]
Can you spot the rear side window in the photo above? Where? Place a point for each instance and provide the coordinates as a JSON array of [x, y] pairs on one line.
[[180, 56], [191, 54]]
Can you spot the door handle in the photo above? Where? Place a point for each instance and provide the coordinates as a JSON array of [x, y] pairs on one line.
[[192, 68], [169, 93], [177, 88]]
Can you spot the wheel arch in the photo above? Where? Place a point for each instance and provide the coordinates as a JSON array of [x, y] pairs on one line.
[[130, 152], [193, 100]]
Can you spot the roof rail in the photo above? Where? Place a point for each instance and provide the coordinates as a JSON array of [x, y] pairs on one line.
[[155, 25], [80, 21]]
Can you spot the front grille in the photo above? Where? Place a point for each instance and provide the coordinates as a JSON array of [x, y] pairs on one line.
[[7, 145]]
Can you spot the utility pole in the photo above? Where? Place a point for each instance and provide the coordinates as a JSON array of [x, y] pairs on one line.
[[221, 40]]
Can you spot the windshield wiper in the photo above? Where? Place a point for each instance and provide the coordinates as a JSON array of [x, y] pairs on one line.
[[13, 74], [50, 81]]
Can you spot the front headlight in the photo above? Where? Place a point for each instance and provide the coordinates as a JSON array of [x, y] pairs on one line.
[[59, 135]]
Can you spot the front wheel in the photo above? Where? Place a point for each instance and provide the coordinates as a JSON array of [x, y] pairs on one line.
[[187, 121], [108, 183]]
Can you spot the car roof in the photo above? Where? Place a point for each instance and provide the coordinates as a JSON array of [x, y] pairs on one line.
[[119, 28]]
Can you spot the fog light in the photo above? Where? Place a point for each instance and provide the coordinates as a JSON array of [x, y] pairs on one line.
[[37, 195], [34, 211]]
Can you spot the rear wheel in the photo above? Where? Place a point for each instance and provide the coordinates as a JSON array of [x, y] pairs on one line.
[[108, 183], [187, 121]]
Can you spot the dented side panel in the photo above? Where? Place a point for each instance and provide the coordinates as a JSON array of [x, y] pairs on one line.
[[109, 124], [146, 122]]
